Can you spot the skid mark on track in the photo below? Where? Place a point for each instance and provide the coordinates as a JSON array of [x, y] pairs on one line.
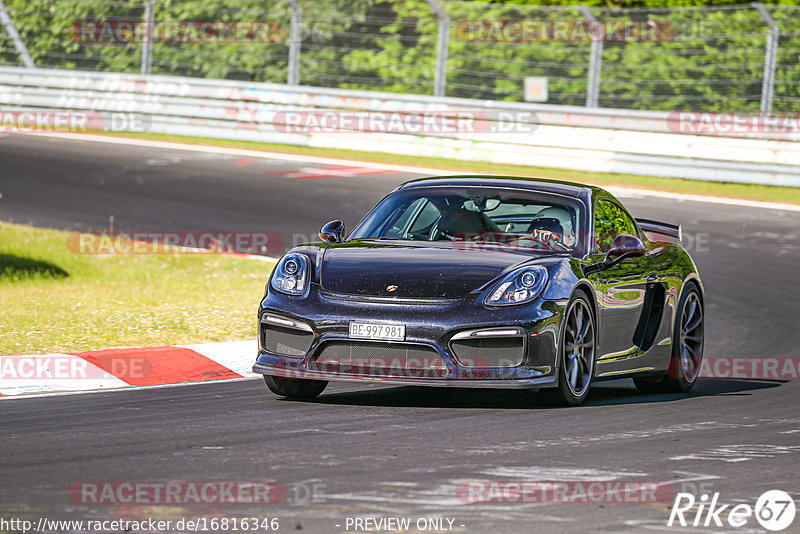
[[739, 453], [528, 472], [630, 435]]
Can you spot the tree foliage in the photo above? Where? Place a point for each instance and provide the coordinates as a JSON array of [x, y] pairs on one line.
[[712, 57]]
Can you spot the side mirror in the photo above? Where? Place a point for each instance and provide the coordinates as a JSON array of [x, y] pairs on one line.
[[626, 245], [333, 232]]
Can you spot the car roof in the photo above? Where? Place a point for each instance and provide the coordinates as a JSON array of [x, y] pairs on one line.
[[544, 185]]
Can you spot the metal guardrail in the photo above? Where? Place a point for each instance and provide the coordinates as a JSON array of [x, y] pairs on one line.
[[589, 139]]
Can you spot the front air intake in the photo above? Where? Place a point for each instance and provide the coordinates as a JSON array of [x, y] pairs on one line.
[[489, 348], [372, 358], [285, 340]]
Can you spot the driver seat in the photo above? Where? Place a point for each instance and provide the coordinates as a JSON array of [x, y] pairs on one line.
[[461, 222]]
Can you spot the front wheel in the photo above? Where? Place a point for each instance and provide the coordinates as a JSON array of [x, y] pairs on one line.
[[576, 353], [687, 348], [295, 388]]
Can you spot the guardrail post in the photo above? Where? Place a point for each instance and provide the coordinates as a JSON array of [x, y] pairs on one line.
[[19, 44], [149, 33], [595, 60], [442, 48], [295, 40], [770, 57]]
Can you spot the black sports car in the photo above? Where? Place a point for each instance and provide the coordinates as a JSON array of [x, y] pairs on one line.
[[485, 281]]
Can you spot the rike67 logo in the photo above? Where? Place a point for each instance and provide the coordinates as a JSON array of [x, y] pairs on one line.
[[774, 510]]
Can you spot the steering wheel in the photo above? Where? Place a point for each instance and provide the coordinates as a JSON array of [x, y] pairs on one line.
[[435, 232], [546, 237]]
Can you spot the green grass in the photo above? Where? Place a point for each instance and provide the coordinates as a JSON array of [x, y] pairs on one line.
[[52, 299], [789, 195]]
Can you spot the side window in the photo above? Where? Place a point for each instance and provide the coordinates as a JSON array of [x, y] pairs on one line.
[[429, 215], [399, 226], [610, 221]]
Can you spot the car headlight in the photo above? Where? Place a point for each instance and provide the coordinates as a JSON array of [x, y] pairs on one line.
[[518, 287], [291, 274]]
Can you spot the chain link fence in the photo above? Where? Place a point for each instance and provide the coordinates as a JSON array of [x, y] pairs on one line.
[[731, 58]]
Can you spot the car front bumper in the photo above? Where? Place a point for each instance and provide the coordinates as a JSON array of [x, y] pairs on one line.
[[444, 341]]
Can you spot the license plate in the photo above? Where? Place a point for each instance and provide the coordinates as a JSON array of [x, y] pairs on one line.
[[378, 331]]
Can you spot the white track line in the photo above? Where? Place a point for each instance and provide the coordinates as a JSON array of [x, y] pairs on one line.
[[622, 191], [53, 373], [126, 387]]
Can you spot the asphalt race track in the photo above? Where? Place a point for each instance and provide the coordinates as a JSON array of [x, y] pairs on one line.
[[395, 451]]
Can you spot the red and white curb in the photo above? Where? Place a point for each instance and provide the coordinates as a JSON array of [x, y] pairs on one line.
[[117, 369]]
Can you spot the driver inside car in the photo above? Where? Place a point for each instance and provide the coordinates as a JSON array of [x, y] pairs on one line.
[[554, 226]]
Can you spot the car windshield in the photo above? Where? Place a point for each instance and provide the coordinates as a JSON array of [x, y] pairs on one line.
[[501, 217]]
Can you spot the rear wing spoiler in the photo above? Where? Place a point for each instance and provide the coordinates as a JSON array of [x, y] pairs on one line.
[[671, 230]]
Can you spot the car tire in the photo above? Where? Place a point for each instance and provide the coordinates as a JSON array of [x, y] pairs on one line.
[[687, 348], [295, 388], [576, 365]]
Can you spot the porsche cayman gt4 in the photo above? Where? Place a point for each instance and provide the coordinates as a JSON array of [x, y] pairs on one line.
[[490, 282]]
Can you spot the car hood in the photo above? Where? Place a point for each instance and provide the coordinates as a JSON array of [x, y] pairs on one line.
[[443, 271]]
